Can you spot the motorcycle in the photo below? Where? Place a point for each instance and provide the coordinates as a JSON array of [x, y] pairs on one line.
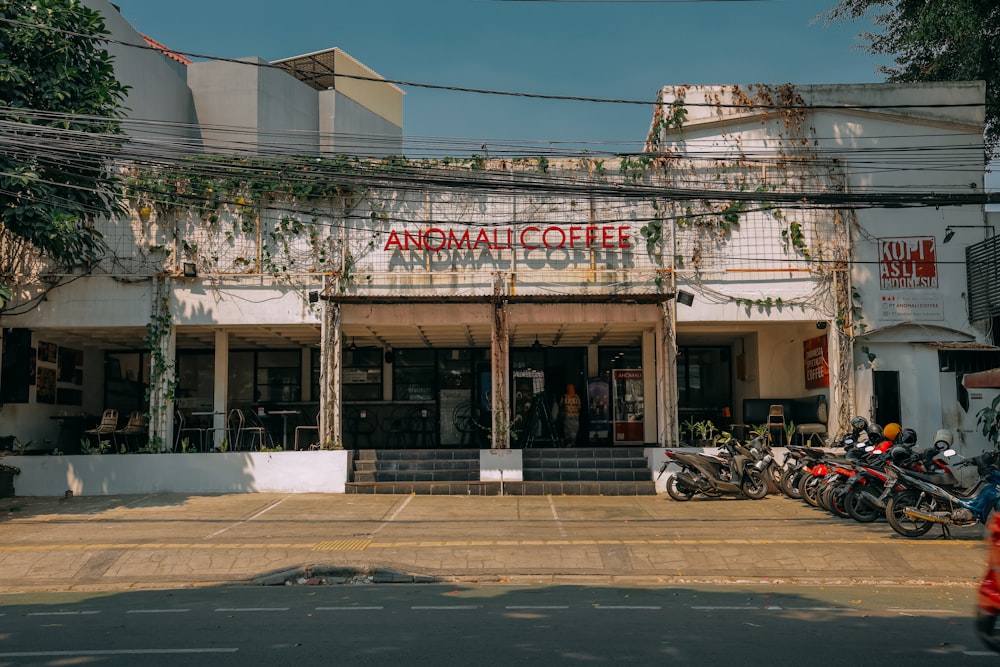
[[867, 499], [921, 504], [988, 594], [736, 469]]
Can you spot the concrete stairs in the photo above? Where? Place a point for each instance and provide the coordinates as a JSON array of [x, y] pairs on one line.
[[607, 471]]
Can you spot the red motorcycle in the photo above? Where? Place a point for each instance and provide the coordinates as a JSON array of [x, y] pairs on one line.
[[988, 600]]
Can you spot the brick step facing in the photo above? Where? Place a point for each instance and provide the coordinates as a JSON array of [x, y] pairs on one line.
[[428, 464], [548, 471], [646, 488]]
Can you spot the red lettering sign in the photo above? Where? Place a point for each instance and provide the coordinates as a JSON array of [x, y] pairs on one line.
[[908, 262], [437, 239]]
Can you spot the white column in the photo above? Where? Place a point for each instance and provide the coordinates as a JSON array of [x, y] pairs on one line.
[[220, 392]]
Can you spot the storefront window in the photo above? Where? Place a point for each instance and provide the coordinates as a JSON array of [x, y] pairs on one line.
[[362, 374], [279, 376], [413, 375], [126, 377]]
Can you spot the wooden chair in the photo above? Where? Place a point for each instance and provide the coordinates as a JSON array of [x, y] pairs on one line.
[[134, 431], [105, 429]]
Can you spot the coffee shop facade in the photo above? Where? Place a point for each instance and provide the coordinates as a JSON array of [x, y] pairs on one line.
[[427, 303]]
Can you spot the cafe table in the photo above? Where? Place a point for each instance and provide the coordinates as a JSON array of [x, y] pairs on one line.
[[284, 423]]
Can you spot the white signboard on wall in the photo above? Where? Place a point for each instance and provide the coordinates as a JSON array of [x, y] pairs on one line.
[[911, 308]]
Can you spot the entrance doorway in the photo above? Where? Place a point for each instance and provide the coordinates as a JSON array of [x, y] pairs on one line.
[[705, 385], [554, 369], [885, 389]]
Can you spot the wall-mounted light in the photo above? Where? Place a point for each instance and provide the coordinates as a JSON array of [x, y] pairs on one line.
[[949, 231], [190, 270], [685, 298]]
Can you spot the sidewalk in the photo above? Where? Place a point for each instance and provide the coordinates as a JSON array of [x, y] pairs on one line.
[[168, 540]]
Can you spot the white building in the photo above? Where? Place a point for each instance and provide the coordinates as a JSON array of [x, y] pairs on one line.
[[437, 304]]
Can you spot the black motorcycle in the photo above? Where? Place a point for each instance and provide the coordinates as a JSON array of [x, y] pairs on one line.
[[736, 469]]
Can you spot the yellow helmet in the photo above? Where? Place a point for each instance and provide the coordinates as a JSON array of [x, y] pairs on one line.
[[891, 430]]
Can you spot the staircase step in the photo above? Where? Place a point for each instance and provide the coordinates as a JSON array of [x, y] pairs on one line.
[[418, 476], [416, 454], [400, 464], [530, 488], [425, 488], [585, 475]]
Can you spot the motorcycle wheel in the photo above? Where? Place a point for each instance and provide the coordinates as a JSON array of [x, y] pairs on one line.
[[823, 497], [754, 485], [790, 483], [678, 491], [836, 501], [905, 525], [987, 630], [808, 488], [772, 475], [858, 508]]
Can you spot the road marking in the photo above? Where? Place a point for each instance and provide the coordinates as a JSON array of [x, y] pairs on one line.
[[157, 611], [522, 607], [240, 523], [429, 544], [555, 515], [228, 609], [457, 607], [622, 606], [138, 651], [62, 613], [349, 608], [726, 608], [920, 611], [392, 517]]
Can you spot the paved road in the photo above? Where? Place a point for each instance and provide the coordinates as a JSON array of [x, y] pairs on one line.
[[168, 540]]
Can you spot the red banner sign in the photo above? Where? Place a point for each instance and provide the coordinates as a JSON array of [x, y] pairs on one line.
[[816, 364]]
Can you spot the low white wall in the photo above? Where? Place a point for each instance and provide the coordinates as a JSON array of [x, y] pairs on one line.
[[501, 465], [230, 472]]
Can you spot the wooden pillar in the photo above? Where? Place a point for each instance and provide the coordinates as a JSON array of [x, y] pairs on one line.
[[500, 356], [668, 427], [331, 360]]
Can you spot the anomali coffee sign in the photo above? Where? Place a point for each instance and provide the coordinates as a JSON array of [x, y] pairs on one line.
[[574, 237], [908, 262]]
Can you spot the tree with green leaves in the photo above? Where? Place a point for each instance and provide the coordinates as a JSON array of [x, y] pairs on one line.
[[60, 112], [936, 40]]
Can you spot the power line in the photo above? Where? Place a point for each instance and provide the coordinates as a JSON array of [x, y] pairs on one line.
[[506, 93]]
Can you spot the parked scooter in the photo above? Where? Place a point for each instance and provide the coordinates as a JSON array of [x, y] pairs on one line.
[[737, 469], [915, 509]]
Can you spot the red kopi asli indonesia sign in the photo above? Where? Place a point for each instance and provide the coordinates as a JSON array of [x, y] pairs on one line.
[[907, 262]]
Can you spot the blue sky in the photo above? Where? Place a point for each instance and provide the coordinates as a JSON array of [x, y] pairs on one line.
[[611, 50]]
